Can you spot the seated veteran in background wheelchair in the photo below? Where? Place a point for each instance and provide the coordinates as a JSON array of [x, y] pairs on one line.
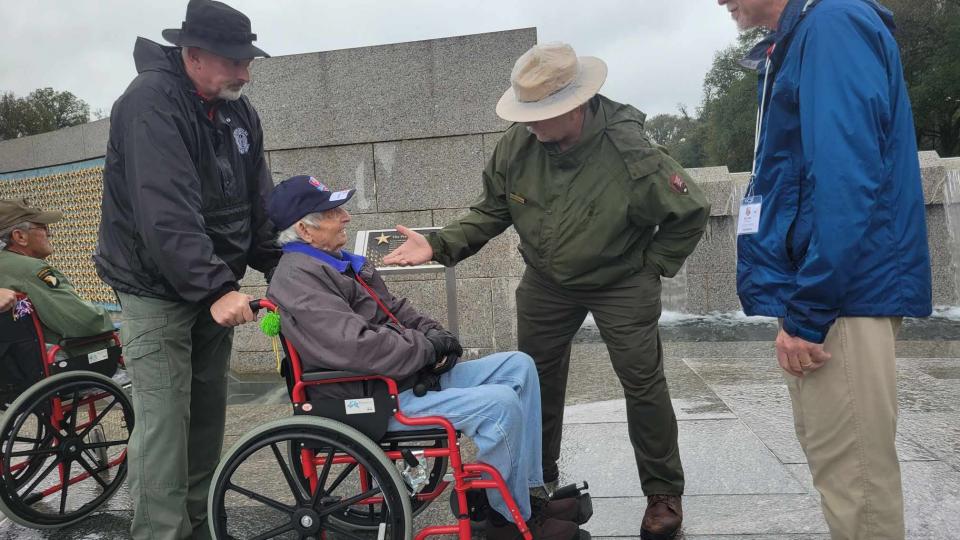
[[337, 311], [65, 425], [24, 246]]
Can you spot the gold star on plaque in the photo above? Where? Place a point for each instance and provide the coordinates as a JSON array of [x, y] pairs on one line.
[[383, 239]]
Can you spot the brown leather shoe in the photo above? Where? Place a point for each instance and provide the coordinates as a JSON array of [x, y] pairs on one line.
[[663, 517], [540, 528]]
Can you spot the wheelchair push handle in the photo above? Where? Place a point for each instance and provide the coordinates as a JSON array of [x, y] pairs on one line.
[[420, 388], [262, 303]]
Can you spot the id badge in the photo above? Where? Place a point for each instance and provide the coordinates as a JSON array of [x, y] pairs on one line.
[[748, 221]]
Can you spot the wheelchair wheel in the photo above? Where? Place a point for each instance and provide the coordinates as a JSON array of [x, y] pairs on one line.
[[68, 480], [32, 438], [367, 517], [256, 493]]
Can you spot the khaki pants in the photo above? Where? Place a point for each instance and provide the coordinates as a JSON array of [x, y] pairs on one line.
[[177, 357], [627, 315], [846, 420]]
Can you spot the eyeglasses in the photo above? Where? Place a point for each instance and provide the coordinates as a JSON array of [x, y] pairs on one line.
[[40, 226]]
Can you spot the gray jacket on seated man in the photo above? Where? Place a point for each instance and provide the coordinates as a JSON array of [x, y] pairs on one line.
[[334, 322], [339, 314]]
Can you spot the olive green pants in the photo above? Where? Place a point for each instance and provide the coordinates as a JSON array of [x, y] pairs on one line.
[[177, 357], [626, 314]]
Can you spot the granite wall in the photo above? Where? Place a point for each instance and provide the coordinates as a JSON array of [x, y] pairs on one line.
[[410, 126]]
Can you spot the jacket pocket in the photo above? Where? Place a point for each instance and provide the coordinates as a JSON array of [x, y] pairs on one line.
[[527, 218], [786, 212], [144, 265]]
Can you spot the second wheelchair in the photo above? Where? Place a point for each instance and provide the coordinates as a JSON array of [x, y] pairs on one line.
[[65, 424]]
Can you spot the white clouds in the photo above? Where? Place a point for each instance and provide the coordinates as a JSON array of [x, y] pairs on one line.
[[657, 50]]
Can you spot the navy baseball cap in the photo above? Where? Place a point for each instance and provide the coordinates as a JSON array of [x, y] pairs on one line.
[[298, 196]]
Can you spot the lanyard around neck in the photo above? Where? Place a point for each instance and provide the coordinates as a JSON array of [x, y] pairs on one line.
[[760, 119], [379, 302]]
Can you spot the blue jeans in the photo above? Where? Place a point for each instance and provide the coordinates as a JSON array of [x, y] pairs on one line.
[[495, 401]]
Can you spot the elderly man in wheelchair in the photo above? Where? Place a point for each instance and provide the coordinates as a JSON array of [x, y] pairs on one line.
[[66, 423], [338, 313], [24, 247]]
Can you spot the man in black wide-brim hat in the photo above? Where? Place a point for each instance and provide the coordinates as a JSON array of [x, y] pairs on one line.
[[185, 182]]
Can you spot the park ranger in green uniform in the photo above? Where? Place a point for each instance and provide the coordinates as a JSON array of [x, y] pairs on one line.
[[25, 235], [601, 213]]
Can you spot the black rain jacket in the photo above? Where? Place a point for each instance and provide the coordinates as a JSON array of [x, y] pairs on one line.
[[183, 195]]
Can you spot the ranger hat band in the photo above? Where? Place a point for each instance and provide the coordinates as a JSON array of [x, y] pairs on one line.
[[549, 80], [215, 27], [16, 211], [298, 196]]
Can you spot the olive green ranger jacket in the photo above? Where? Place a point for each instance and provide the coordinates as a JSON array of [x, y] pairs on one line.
[[612, 205], [62, 312]]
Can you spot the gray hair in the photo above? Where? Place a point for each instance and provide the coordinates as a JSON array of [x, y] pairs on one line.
[[7, 233], [289, 234]]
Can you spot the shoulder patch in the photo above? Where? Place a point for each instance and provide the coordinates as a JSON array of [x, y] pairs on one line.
[[678, 185], [47, 276]]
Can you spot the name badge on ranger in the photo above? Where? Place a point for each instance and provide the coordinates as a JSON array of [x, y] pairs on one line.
[[748, 221]]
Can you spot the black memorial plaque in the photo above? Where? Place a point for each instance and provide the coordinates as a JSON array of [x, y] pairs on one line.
[[377, 244]]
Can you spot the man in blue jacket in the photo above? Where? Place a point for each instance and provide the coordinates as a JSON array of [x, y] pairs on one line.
[[832, 240]]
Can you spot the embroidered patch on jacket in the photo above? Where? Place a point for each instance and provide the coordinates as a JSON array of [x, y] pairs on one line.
[[243, 140], [677, 184], [46, 275]]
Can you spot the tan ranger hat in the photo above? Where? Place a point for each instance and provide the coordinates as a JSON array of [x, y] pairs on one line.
[[549, 80], [15, 211]]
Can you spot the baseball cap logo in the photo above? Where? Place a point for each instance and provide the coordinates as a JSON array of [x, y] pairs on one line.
[[317, 184]]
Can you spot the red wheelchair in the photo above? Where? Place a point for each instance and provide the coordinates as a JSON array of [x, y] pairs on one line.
[[65, 423], [340, 473]]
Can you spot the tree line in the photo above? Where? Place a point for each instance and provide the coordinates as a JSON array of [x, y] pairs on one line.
[[44, 109], [721, 129]]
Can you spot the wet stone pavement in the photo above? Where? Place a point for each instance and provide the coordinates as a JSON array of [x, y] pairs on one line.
[[746, 474]]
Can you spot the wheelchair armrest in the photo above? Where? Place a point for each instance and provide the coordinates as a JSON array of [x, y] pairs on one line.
[[78, 341], [328, 375]]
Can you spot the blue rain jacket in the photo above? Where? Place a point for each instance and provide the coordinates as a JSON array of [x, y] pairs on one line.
[[842, 229]]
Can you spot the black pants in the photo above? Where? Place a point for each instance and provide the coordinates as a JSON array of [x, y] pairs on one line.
[[626, 313]]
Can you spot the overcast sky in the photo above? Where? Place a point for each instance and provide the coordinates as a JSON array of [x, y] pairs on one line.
[[657, 50]]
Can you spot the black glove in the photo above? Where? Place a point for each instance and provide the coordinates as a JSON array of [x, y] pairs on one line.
[[446, 347], [445, 364]]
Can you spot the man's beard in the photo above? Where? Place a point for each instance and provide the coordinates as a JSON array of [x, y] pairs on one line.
[[230, 94]]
